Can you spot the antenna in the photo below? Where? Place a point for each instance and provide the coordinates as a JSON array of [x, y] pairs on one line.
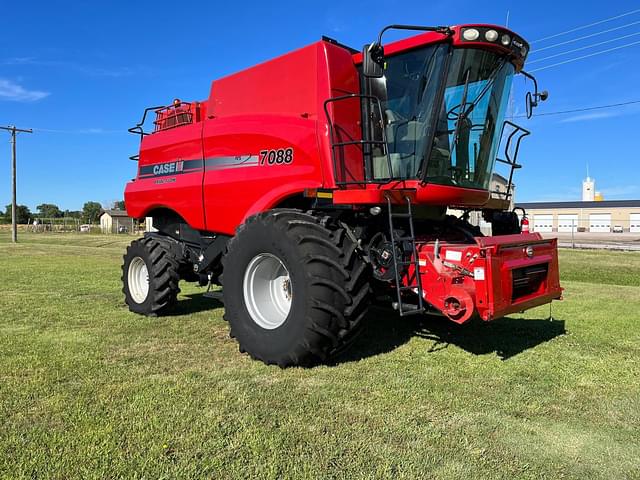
[[507, 22]]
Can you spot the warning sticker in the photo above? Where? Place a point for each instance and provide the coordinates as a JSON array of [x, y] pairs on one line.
[[453, 255]]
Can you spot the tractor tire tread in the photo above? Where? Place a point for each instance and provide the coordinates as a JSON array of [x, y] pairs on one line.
[[325, 247], [163, 276]]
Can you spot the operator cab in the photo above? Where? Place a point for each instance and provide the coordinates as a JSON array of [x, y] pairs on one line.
[[476, 90], [433, 105]]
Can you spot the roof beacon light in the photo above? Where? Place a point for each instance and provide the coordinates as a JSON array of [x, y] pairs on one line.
[[471, 34], [491, 35], [505, 40]]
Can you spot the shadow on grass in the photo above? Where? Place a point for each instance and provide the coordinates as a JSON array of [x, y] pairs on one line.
[[385, 331], [506, 337], [193, 303]]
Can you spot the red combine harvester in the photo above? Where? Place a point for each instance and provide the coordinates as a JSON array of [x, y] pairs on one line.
[[308, 183]]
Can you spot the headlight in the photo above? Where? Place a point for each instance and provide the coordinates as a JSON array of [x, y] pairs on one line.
[[491, 35], [505, 40], [470, 34]]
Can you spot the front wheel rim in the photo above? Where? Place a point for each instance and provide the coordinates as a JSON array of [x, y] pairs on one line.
[[267, 290], [138, 277]]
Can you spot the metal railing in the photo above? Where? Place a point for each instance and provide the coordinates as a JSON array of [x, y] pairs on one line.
[[511, 156], [367, 156], [167, 117]]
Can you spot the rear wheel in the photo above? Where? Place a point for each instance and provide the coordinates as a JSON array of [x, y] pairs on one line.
[[149, 276], [295, 287]]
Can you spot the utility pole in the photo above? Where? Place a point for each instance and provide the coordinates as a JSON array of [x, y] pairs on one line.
[[14, 214]]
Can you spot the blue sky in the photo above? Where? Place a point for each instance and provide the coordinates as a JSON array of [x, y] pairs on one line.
[[81, 73]]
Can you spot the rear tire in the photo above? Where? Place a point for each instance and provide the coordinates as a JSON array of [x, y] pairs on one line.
[[295, 288], [150, 277]]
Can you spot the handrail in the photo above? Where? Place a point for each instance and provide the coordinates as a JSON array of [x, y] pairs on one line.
[[139, 128], [158, 110], [511, 160], [334, 145]]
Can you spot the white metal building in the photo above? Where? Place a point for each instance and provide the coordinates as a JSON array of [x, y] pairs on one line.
[[594, 216]]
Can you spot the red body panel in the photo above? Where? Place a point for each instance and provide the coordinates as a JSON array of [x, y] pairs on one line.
[[232, 191], [184, 192], [416, 41], [247, 113], [275, 105], [421, 194]]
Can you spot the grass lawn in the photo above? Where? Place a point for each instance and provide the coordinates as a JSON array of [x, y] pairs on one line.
[[89, 390]]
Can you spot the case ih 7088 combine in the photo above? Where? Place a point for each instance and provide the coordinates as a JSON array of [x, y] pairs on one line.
[[312, 182]]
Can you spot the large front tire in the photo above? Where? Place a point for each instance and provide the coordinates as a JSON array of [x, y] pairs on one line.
[[149, 277], [295, 288]]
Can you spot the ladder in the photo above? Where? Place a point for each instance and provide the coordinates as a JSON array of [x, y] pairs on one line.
[[399, 263]]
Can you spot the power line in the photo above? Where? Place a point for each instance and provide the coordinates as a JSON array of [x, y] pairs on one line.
[[582, 27], [80, 131], [585, 56], [573, 40], [577, 110], [583, 48]]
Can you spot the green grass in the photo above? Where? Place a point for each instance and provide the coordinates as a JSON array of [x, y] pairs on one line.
[[89, 390]]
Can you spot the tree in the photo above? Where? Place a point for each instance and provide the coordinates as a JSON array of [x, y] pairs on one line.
[[119, 205], [91, 212], [72, 214], [23, 214], [49, 210]]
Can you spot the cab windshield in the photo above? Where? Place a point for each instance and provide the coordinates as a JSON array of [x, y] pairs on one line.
[[453, 136]]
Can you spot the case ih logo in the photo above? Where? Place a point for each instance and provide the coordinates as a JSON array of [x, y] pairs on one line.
[[168, 168]]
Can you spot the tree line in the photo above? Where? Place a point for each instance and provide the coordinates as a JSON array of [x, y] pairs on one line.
[[90, 212]]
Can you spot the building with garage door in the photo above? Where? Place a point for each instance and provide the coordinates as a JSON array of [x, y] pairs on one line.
[[616, 216]]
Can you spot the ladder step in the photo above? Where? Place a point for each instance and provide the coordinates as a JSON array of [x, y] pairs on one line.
[[409, 287], [405, 263], [216, 295], [407, 307]]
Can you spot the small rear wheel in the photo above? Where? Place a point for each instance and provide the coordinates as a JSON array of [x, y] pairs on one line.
[[149, 276]]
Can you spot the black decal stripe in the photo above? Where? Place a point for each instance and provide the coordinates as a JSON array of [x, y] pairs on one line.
[[192, 166], [188, 166], [234, 161]]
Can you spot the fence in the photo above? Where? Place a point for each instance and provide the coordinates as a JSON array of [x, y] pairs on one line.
[[60, 225], [121, 225], [75, 225]]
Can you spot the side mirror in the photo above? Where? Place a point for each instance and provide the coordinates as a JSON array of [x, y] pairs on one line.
[[373, 61], [534, 97]]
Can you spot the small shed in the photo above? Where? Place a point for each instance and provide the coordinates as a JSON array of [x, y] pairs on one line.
[[116, 221]]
